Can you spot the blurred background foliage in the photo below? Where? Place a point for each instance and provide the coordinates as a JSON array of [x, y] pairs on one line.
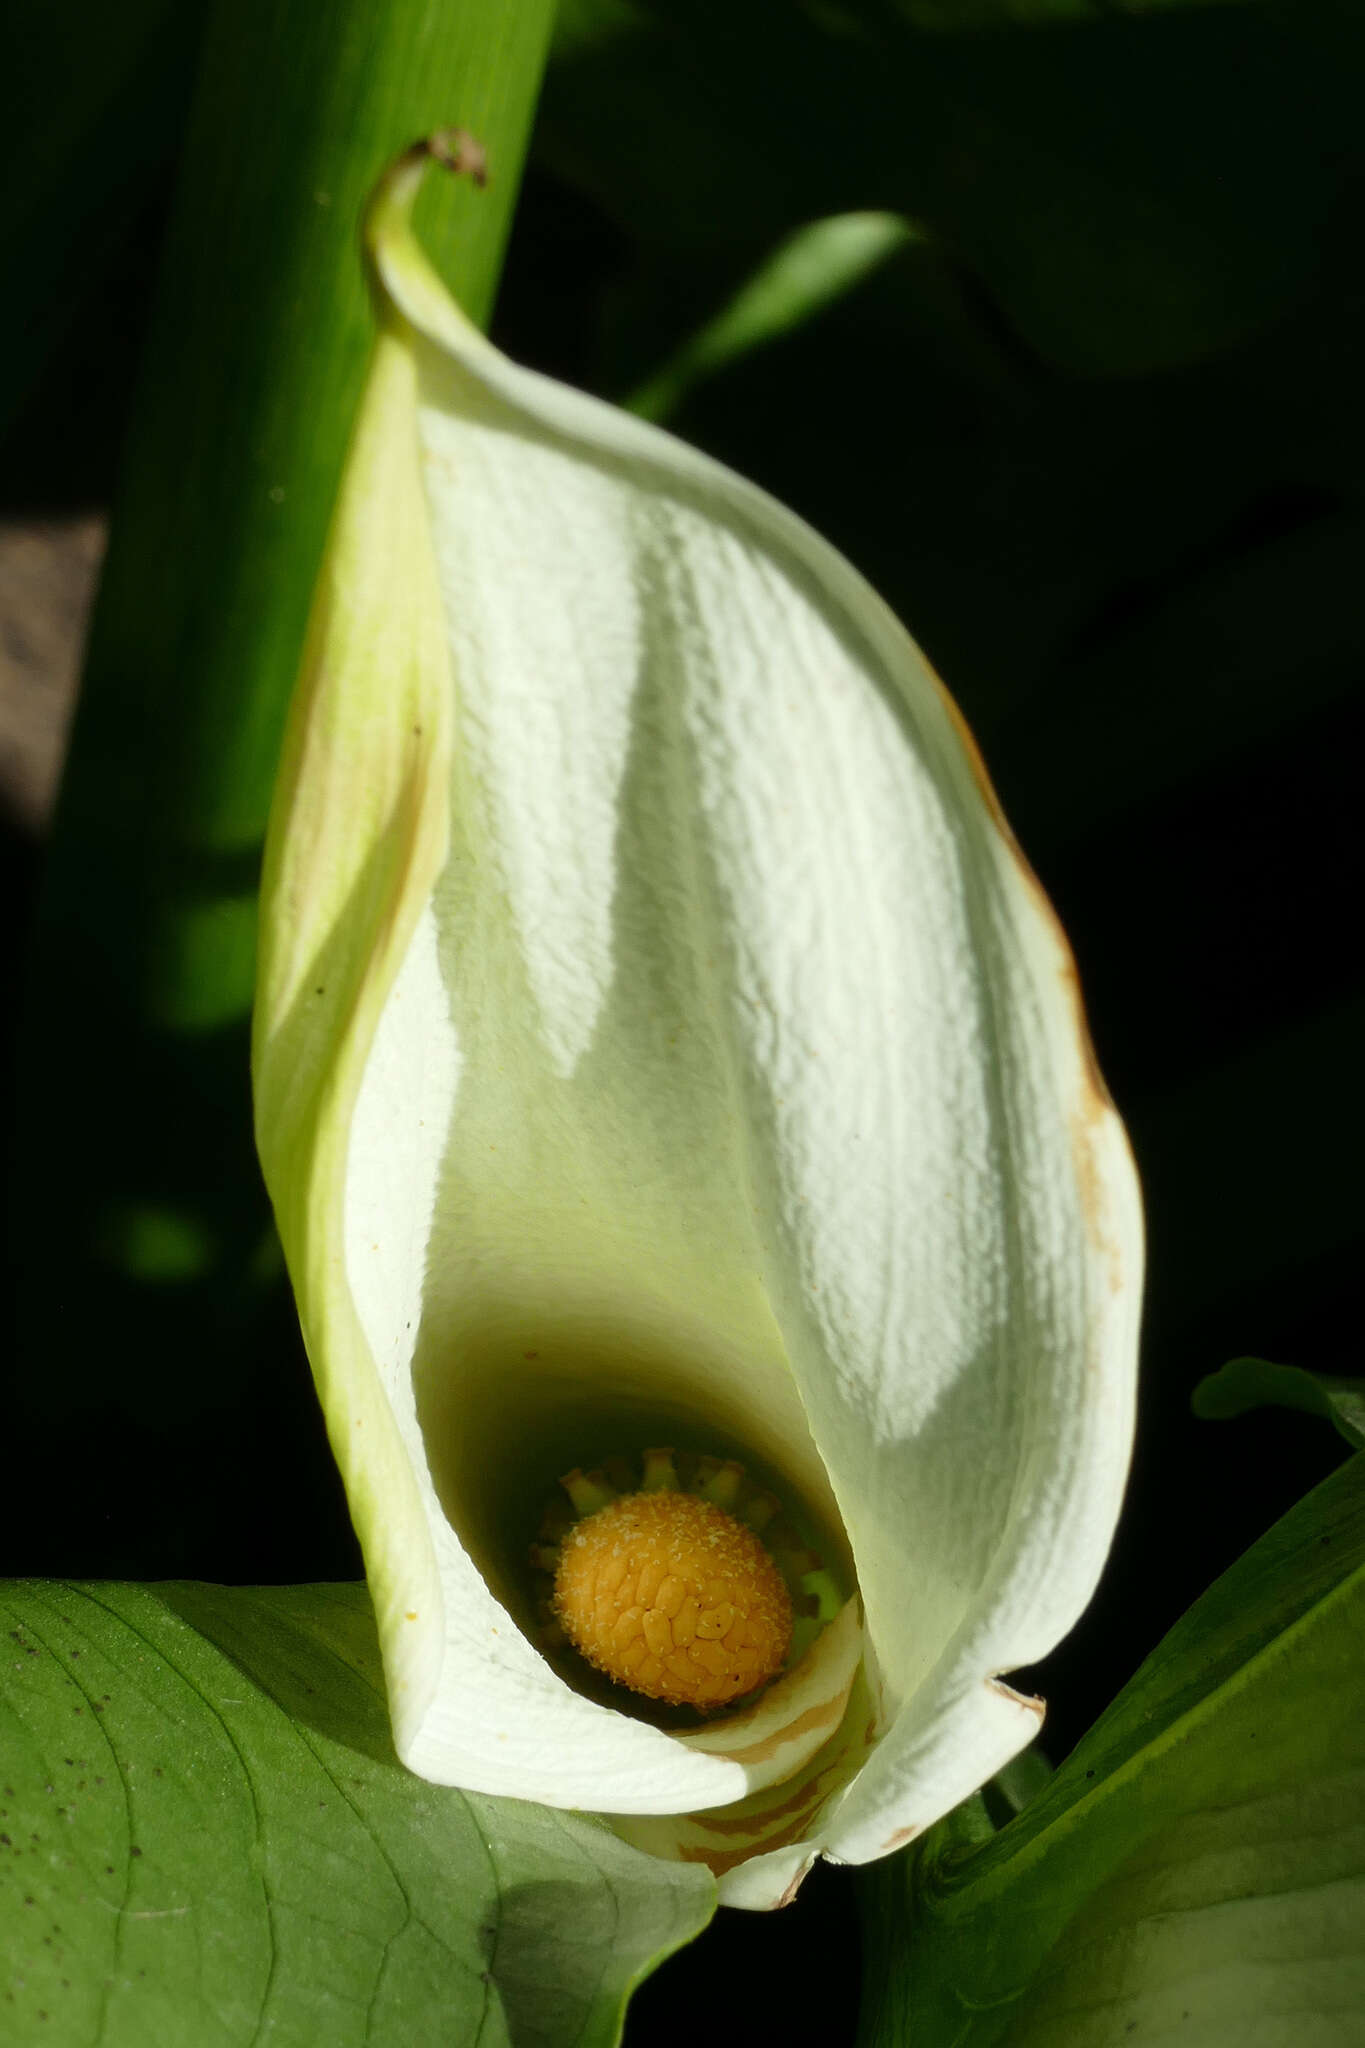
[[1083, 398]]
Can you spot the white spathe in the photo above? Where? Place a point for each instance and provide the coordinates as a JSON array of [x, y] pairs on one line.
[[658, 1026]]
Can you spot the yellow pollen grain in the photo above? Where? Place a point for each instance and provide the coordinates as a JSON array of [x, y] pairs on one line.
[[670, 1595]]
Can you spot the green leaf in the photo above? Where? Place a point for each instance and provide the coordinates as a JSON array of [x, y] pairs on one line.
[[1131, 192], [1246, 1383], [205, 1838], [808, 271], [1195, 1871]]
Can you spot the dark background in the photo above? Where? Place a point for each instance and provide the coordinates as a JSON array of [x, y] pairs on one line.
[[1100, 439]]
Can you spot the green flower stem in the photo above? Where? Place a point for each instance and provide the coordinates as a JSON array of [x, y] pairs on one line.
[[136, 1161]]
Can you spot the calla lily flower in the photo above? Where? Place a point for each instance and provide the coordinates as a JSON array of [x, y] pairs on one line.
[[660, 1040]]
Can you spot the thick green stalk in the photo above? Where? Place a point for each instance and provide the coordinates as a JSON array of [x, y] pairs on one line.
[[143, 1277]]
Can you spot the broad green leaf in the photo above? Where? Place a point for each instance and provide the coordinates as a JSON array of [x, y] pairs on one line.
[[1246, 1383], [205, 1838], [1195, 1871]]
